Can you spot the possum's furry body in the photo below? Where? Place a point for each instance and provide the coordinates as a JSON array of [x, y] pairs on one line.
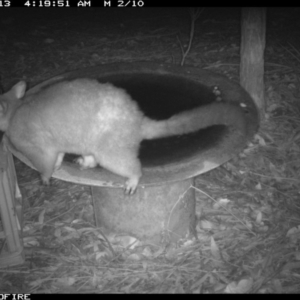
[[98, 121]]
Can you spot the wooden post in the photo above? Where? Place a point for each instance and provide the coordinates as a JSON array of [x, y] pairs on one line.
[[252, 53]]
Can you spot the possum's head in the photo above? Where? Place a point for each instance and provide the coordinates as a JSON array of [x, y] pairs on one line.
[[9, 102]]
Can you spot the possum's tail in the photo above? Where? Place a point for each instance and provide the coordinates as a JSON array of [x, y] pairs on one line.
[[193, 120]]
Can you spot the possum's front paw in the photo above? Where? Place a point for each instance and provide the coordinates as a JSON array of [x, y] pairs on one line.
[[86, 162], [131, 185]]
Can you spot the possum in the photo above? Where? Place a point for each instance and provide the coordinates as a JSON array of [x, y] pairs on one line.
[[98, 121]]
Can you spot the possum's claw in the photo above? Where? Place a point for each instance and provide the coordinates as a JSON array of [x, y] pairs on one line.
[[131, 185]]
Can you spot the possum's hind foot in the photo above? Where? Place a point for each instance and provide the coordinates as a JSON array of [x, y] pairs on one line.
[[86, 162], [131, 185], [89, 161]]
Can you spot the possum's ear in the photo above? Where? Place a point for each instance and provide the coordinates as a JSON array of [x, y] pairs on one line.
[[18, 90]]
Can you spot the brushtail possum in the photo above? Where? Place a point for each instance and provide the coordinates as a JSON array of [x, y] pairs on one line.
[[98, 121]]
